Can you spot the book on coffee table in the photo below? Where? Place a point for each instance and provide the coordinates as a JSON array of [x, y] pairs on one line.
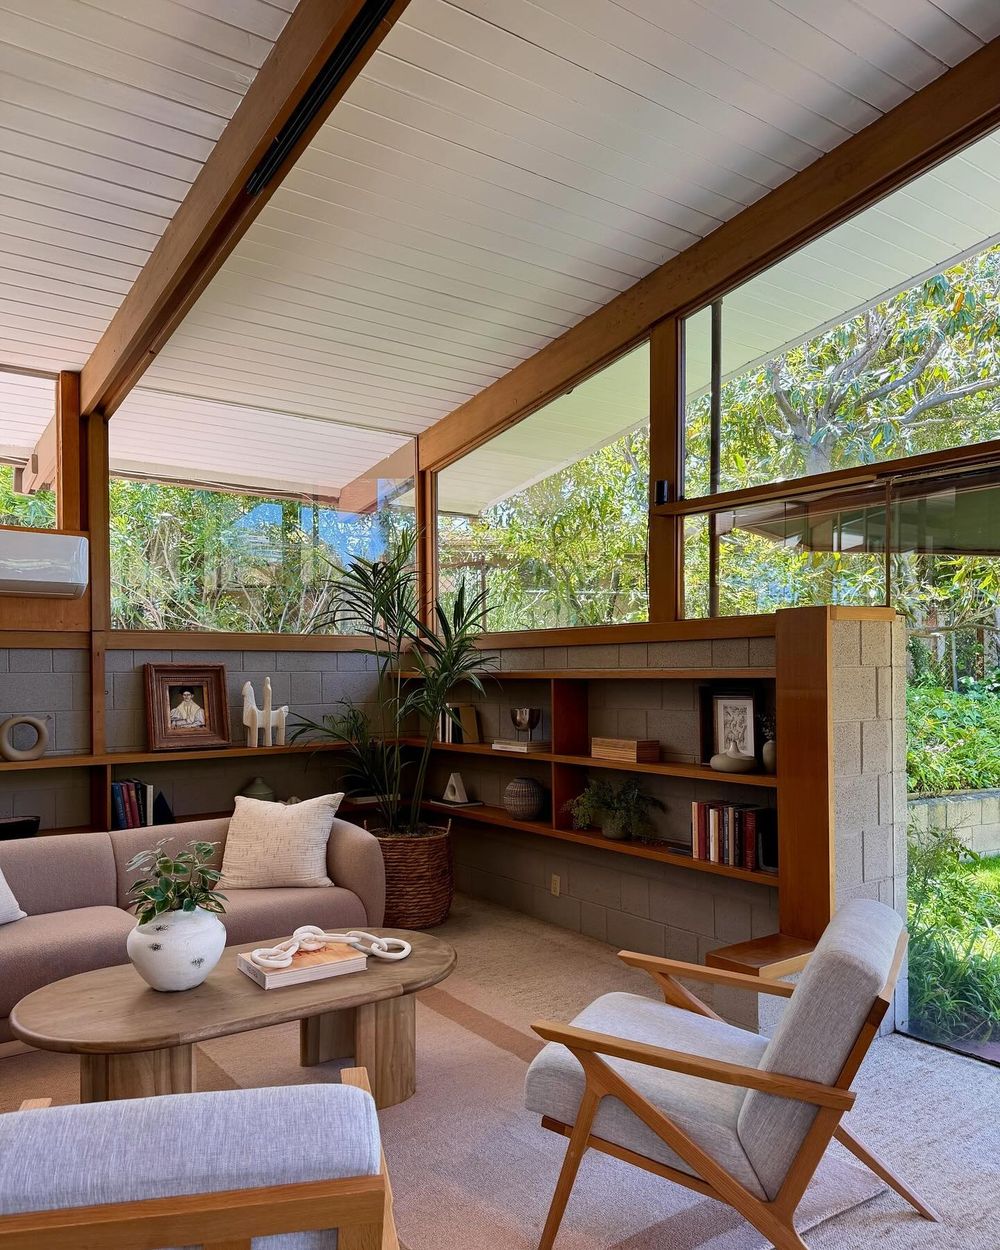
[[332, 961]]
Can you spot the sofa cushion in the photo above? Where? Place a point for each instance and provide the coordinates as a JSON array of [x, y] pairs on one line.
[[10, 909], [41, 949], [707, 1111], [188, 1144], [270, 844], [60, 872], [260, 915], [128, 842], [818, 1029]]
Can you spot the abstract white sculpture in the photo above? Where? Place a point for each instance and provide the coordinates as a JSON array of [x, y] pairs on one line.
[[454, 791], [310, 937], [270, 721]]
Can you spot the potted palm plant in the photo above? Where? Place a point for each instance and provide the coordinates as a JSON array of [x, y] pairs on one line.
[[389, 751]]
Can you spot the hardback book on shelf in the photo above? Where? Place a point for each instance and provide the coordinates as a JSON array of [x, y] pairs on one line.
[[332, 961], [522, 747], [465, 731], [134, 804], [740, 835]]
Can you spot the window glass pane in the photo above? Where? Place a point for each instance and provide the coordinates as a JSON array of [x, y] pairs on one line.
[[697, 402], [877, 341], [27, 451], [551, 516], [235, 519], [789, 553]]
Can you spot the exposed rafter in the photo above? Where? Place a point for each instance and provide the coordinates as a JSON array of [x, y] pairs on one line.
[[331, 38]]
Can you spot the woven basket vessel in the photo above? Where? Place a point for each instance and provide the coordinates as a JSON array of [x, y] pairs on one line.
[[418, 880]]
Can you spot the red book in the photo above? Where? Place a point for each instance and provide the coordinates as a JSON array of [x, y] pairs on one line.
[[131, 806], [750, 839]]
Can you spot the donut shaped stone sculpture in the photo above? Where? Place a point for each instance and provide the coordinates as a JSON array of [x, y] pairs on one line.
[[7, 748]]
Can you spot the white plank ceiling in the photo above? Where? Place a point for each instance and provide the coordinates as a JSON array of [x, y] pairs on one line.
[[108, 109], [499, 170]]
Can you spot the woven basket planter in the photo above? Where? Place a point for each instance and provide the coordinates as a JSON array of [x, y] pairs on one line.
[[418, 880]]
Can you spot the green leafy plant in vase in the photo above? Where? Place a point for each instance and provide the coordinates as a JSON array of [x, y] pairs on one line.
[[620, 809], [178, 938], [388, 750]]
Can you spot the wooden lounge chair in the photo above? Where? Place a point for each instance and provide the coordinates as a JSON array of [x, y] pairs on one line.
[[674, 1089]]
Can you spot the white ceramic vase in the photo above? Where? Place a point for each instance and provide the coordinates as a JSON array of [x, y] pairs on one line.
[[178, 949], [769, 756]]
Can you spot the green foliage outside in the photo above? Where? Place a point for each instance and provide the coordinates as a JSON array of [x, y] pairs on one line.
[[953, 739], [954, 922], [34, 511]]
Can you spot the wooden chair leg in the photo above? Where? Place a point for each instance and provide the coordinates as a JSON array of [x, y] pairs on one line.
[[575, 1151], [882, 1171]]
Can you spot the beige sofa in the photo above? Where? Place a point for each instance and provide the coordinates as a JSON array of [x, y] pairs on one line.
[[75, 888]]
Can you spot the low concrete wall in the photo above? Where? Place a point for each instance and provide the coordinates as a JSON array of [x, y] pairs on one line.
[[974, 815]]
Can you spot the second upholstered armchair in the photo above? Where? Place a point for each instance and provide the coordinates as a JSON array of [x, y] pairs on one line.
[[674, 1089]]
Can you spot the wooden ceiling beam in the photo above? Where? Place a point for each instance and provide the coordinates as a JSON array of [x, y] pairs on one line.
[[218, 209], [955, 109]]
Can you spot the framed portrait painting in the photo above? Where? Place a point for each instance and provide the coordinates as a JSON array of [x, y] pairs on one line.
[[186, 706]]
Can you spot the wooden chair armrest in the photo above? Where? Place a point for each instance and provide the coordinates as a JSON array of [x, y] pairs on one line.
[[35, 1104], [696, 1065], [656, 965]]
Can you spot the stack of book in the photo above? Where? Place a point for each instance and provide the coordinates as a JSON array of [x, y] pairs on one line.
[[737, 834], [467, 728], [521, 746], [131, 804], [331, 961]]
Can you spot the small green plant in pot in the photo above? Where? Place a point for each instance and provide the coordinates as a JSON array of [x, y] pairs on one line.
[[621, 809], [178, 938]]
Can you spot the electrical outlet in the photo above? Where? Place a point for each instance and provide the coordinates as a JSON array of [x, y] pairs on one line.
[[555, 885]]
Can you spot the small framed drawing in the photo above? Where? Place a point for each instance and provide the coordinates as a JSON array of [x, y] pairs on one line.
[[733, 724], [186, 706]]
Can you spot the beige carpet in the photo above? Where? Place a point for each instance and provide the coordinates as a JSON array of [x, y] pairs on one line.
[[473, 1171]]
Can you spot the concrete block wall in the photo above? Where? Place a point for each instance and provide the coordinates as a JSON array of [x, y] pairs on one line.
[[310, 682], [973, 815], [53, 685], [623, 900], [870, 803]]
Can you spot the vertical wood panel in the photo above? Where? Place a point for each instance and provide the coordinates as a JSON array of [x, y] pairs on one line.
[[427, 543], [69, 466], [806, 855], [666, 424]]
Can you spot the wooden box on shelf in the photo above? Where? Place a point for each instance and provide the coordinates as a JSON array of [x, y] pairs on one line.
[[628, 750]]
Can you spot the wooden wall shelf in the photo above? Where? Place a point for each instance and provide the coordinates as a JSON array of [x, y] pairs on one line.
[[111, 758], [621, 674], [498, 816]]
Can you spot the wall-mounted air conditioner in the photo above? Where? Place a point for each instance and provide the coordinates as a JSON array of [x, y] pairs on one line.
[[36, 563]]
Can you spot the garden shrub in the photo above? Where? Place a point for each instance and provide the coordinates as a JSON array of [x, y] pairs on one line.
[[954, 921], [953, 740]]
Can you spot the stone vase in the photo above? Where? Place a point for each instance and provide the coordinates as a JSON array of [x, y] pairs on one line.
[[524, 798], [613, 827], [769, 756], [178, 949]]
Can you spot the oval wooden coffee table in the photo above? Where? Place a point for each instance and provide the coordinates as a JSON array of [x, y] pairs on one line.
[[134, 1041]]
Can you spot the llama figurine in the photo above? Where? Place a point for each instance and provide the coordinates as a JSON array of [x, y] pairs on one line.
[[267, 720]]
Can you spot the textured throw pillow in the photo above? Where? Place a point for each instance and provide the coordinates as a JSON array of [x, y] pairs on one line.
[[269, 844], [9, 909]]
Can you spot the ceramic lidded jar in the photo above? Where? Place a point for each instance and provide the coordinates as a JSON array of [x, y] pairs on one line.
[[177, 949], [524, 798]]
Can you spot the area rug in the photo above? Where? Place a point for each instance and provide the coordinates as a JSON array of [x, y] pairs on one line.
[[471, 1169]]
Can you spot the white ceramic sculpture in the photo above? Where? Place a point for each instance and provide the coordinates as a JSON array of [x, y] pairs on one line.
[[310, 937], [9, 751], [266, 720], [177, 949], [732, 761], [454, 791]]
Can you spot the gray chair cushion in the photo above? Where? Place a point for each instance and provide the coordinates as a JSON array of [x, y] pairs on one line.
[[257, 915], [706, 1110], [820, 1025], [41, 949], [188, 1144], [59, 872]]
